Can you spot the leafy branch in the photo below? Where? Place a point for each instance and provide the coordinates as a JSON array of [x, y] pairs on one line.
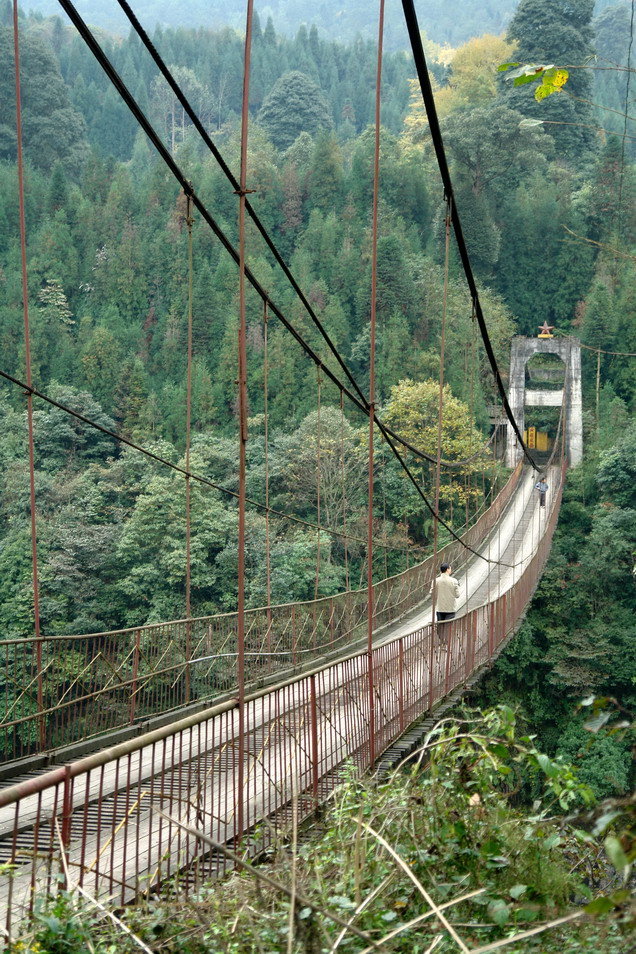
[[550, 78]]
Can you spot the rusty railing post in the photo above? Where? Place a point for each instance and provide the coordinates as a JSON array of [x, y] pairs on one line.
[[242, 402], [67, 812], [449, 650], [314, 737], [29, 394], [401, 681], [135, 676]]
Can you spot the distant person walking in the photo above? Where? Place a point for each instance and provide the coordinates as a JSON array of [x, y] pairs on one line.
[[542, 487], [445, 590]]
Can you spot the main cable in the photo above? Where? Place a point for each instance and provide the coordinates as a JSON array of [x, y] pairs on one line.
[[200, 128], [436, 135], [123, 91], [360, 401], [29, 390]]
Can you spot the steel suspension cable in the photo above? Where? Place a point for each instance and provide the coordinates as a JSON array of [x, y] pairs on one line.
[[613, 354], [627, 84], [438, 144], [28, 390], [384, 535], [440, 416], [374, 292], [242, 398], [188, 568], [151, 455], [318, 475], [268, 568], [472, 405], [359, 401], [388, 434], [192, 115], [344, 490]]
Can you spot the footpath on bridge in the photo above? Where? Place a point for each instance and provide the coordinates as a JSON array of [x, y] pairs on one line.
[[103, 810]]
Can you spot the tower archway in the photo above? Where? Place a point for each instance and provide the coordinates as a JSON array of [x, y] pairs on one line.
[[521, 396]]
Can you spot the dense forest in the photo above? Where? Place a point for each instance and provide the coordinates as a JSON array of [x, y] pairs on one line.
[[546, 193], [335, 21], [544, 209]]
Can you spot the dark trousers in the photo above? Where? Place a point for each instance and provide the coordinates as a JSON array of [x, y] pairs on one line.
[[442, 616], [542, 499]]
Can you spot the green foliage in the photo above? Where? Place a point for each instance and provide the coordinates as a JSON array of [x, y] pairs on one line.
[[60, 927], [552, 80], [549, 32], [579, 635], [294, 105], [107, 263], [451, 824], [53, 129]]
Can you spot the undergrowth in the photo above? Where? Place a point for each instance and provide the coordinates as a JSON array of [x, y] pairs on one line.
[[440, 829]]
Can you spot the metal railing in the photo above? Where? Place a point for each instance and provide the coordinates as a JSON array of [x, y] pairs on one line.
[[112, 823], [99, 682]]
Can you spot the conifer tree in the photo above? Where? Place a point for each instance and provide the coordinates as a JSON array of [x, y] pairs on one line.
[[295, 104], [560, 34]]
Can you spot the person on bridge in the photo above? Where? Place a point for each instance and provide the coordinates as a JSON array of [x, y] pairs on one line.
[[542, 487], [445, 590]]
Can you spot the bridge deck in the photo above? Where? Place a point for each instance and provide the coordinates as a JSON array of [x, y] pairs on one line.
[[295, 740]]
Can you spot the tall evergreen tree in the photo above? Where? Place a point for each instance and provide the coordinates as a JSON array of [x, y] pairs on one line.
[[295, 105], [560, 34]]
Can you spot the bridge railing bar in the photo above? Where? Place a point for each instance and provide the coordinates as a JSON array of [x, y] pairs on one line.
[[298, 737], [99, 682]]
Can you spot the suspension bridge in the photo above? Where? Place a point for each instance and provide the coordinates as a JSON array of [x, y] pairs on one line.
[[144, 746]]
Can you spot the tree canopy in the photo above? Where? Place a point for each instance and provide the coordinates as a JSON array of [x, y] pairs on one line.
[[294, 105]]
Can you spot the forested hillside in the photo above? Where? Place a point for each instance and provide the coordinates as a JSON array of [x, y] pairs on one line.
[[548, 211], [546, 193], [335, 20]]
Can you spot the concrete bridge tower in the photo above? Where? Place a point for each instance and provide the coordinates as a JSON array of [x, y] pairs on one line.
[[569, 350]]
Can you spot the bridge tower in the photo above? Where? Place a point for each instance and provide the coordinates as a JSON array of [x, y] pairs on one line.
[[520, 397]]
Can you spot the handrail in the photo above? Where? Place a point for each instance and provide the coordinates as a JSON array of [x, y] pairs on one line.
[[130, 630], [124, 749], [99, 816], [97, 683]]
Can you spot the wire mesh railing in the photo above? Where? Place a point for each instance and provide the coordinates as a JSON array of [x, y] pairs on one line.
[[99, 682], [112, 824]]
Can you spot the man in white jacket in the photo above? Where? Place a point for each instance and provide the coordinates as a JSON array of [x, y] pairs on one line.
[[445, 590]]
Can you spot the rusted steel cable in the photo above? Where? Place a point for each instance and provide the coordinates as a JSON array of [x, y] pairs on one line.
[[472, 402], [440, 419], [614, 354], [627, 85], [344, 490], [431, 111], [27, 361], [383, 465], [242, 401], [268, 568], [188, 568], [318, 466], [112, 74], [374, 294]]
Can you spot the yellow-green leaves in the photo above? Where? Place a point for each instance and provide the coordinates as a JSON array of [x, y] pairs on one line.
[[552, 81], [552, 78]]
